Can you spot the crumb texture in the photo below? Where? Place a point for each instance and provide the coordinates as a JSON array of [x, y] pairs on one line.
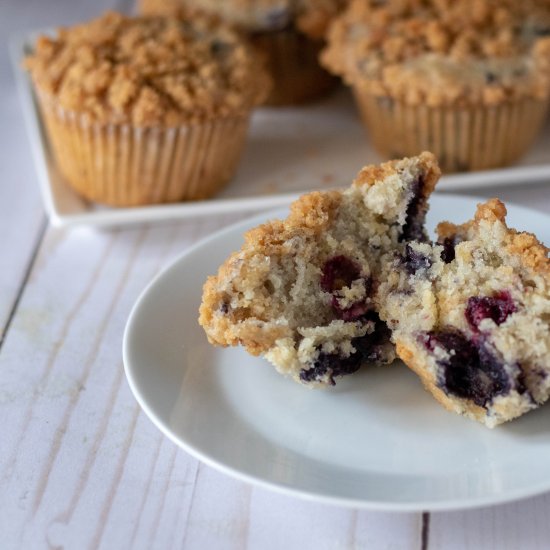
[[303, 291], [351, 273], [148, 70], [471, 316]]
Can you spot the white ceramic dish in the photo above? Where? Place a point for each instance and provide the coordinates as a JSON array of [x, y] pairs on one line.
[[377, 440], [288, 151]]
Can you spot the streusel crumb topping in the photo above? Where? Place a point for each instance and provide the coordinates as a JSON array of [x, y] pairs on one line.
[[148, 70], [530, 251], [442, 52], [310, 16]]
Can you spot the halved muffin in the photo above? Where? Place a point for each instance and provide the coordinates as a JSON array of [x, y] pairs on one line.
[[471, 316], [303, 292]]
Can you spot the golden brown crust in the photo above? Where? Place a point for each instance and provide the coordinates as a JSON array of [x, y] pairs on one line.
[[148, 70], [289, 51], [532, 253], [161, 7], [478, 52], [369, 175], [316, 16], [309, 215], [174, 8], [492, 210], [314, 211]]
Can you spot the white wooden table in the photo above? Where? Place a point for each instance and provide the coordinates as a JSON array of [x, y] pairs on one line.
[[80, 464]]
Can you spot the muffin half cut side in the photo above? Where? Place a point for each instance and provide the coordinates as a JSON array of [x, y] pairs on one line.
[[303, 292], [471, 316]]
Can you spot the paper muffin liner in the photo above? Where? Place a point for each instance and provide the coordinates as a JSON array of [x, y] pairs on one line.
[[463, 139], [122, 165], [292, 61]]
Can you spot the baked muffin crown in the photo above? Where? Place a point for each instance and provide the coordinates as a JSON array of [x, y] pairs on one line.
[[531, 254], [440, 52], [310, 16], [148, 70]]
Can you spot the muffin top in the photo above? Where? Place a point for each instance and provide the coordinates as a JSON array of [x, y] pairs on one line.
[[442, 52], [148, 70], [309, 16]]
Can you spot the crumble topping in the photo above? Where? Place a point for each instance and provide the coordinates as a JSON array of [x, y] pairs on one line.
[[148, 70], [310, 16], [441, 52]]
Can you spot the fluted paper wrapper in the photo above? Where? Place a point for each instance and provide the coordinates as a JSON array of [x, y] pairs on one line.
[[292, 61], [122, 165], [463, 139]]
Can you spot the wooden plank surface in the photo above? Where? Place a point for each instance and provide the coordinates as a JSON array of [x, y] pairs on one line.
[[81, 461], [80, 464], [511, 527]]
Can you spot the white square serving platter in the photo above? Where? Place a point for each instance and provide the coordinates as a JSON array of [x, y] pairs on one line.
[[289, 150]]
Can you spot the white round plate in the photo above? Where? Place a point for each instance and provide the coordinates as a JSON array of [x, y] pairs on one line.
[[376, 440]]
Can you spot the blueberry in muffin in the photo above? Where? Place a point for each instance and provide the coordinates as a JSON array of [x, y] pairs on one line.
[[471, 316]]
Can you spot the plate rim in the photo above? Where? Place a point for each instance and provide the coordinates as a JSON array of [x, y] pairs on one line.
[[357, 503]]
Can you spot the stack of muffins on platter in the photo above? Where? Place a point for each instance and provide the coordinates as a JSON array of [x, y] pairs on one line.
[[155, 108]]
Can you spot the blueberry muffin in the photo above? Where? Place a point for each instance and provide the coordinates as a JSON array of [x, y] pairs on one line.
[[471, 316], [148, 109], [309, 16], [467, 80], [289, 33], [303, 292]]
